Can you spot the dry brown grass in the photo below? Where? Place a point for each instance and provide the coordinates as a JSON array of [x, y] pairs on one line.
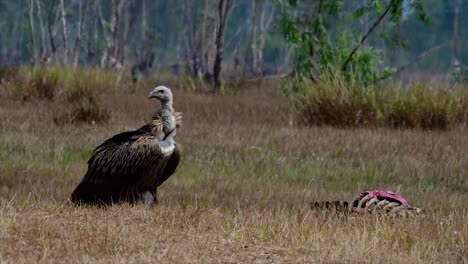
[[242, 190]]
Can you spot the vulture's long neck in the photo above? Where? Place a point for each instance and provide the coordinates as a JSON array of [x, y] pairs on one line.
[[166, 137], [167, 116]]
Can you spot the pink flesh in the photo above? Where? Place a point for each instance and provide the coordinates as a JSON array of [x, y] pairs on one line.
[[385, 195]]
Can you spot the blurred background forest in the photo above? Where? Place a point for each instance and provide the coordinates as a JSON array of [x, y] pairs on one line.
[[181, 36]]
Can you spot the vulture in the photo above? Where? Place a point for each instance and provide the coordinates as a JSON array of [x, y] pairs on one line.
[[130, 166]]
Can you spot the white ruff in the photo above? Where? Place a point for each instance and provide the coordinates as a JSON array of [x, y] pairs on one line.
[[167, 145]]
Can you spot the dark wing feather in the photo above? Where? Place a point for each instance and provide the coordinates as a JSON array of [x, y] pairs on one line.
[[171, 165], [120, 162], [123, 158]]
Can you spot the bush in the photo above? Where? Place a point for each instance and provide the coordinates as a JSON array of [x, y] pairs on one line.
[[83, 110], [7, 72], [420, 107], [79, 89], [338, 101], [44, 82], [26, 83]]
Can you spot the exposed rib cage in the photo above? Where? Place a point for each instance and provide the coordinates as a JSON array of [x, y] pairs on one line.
[[367, 204]]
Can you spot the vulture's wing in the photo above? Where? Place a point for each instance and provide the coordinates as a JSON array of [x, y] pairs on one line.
[[171, 164], [119, 162], [123, 158]]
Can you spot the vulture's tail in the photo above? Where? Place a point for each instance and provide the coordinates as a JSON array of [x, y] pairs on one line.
[[96, 194]]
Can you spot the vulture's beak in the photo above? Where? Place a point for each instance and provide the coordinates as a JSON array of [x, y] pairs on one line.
[[152, 95]]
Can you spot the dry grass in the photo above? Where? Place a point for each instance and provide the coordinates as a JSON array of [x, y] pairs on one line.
[[242, 190]]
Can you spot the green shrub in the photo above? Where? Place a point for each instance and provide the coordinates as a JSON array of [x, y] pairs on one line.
[[332, 101], [81, 90], [83, 81], [44, 82], [7, 72], [338, 101], [84, 110], [39, 82], [420, 107]]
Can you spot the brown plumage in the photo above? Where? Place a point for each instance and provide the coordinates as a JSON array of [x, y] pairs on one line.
[[130, 166]]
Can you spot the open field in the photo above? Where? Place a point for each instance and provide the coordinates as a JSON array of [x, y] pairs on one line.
[[241, 192]]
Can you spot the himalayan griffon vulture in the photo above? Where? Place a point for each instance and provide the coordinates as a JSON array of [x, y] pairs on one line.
[[130, 166]]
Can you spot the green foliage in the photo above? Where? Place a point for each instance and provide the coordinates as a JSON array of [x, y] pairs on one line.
[[340, 101], [326, 39], [337, 74], [364, 67]]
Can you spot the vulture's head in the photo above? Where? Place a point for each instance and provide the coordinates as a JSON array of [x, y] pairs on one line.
[[162, 93]]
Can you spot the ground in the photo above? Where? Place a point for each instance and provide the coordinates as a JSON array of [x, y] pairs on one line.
[[241, 193]]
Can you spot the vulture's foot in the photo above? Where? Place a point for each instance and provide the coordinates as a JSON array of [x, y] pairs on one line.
[[148, 199]]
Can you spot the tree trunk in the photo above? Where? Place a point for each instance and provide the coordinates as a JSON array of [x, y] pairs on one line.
[[455, 39], [265, 21], [250, 58], [115, 23], [41, 26], [109, 57], [65, 32], [198, 35], [17, 34], [51, 32], [93, 31], [205, 42], [185, 37], [224, 7], [144, 29], [33, 33], [82, 17], [129, 20], [191, 51]]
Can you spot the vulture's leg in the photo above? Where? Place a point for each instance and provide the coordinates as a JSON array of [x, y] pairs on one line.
[[147, 198]]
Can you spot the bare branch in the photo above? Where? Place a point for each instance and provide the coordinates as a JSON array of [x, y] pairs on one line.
[[363, 39]]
